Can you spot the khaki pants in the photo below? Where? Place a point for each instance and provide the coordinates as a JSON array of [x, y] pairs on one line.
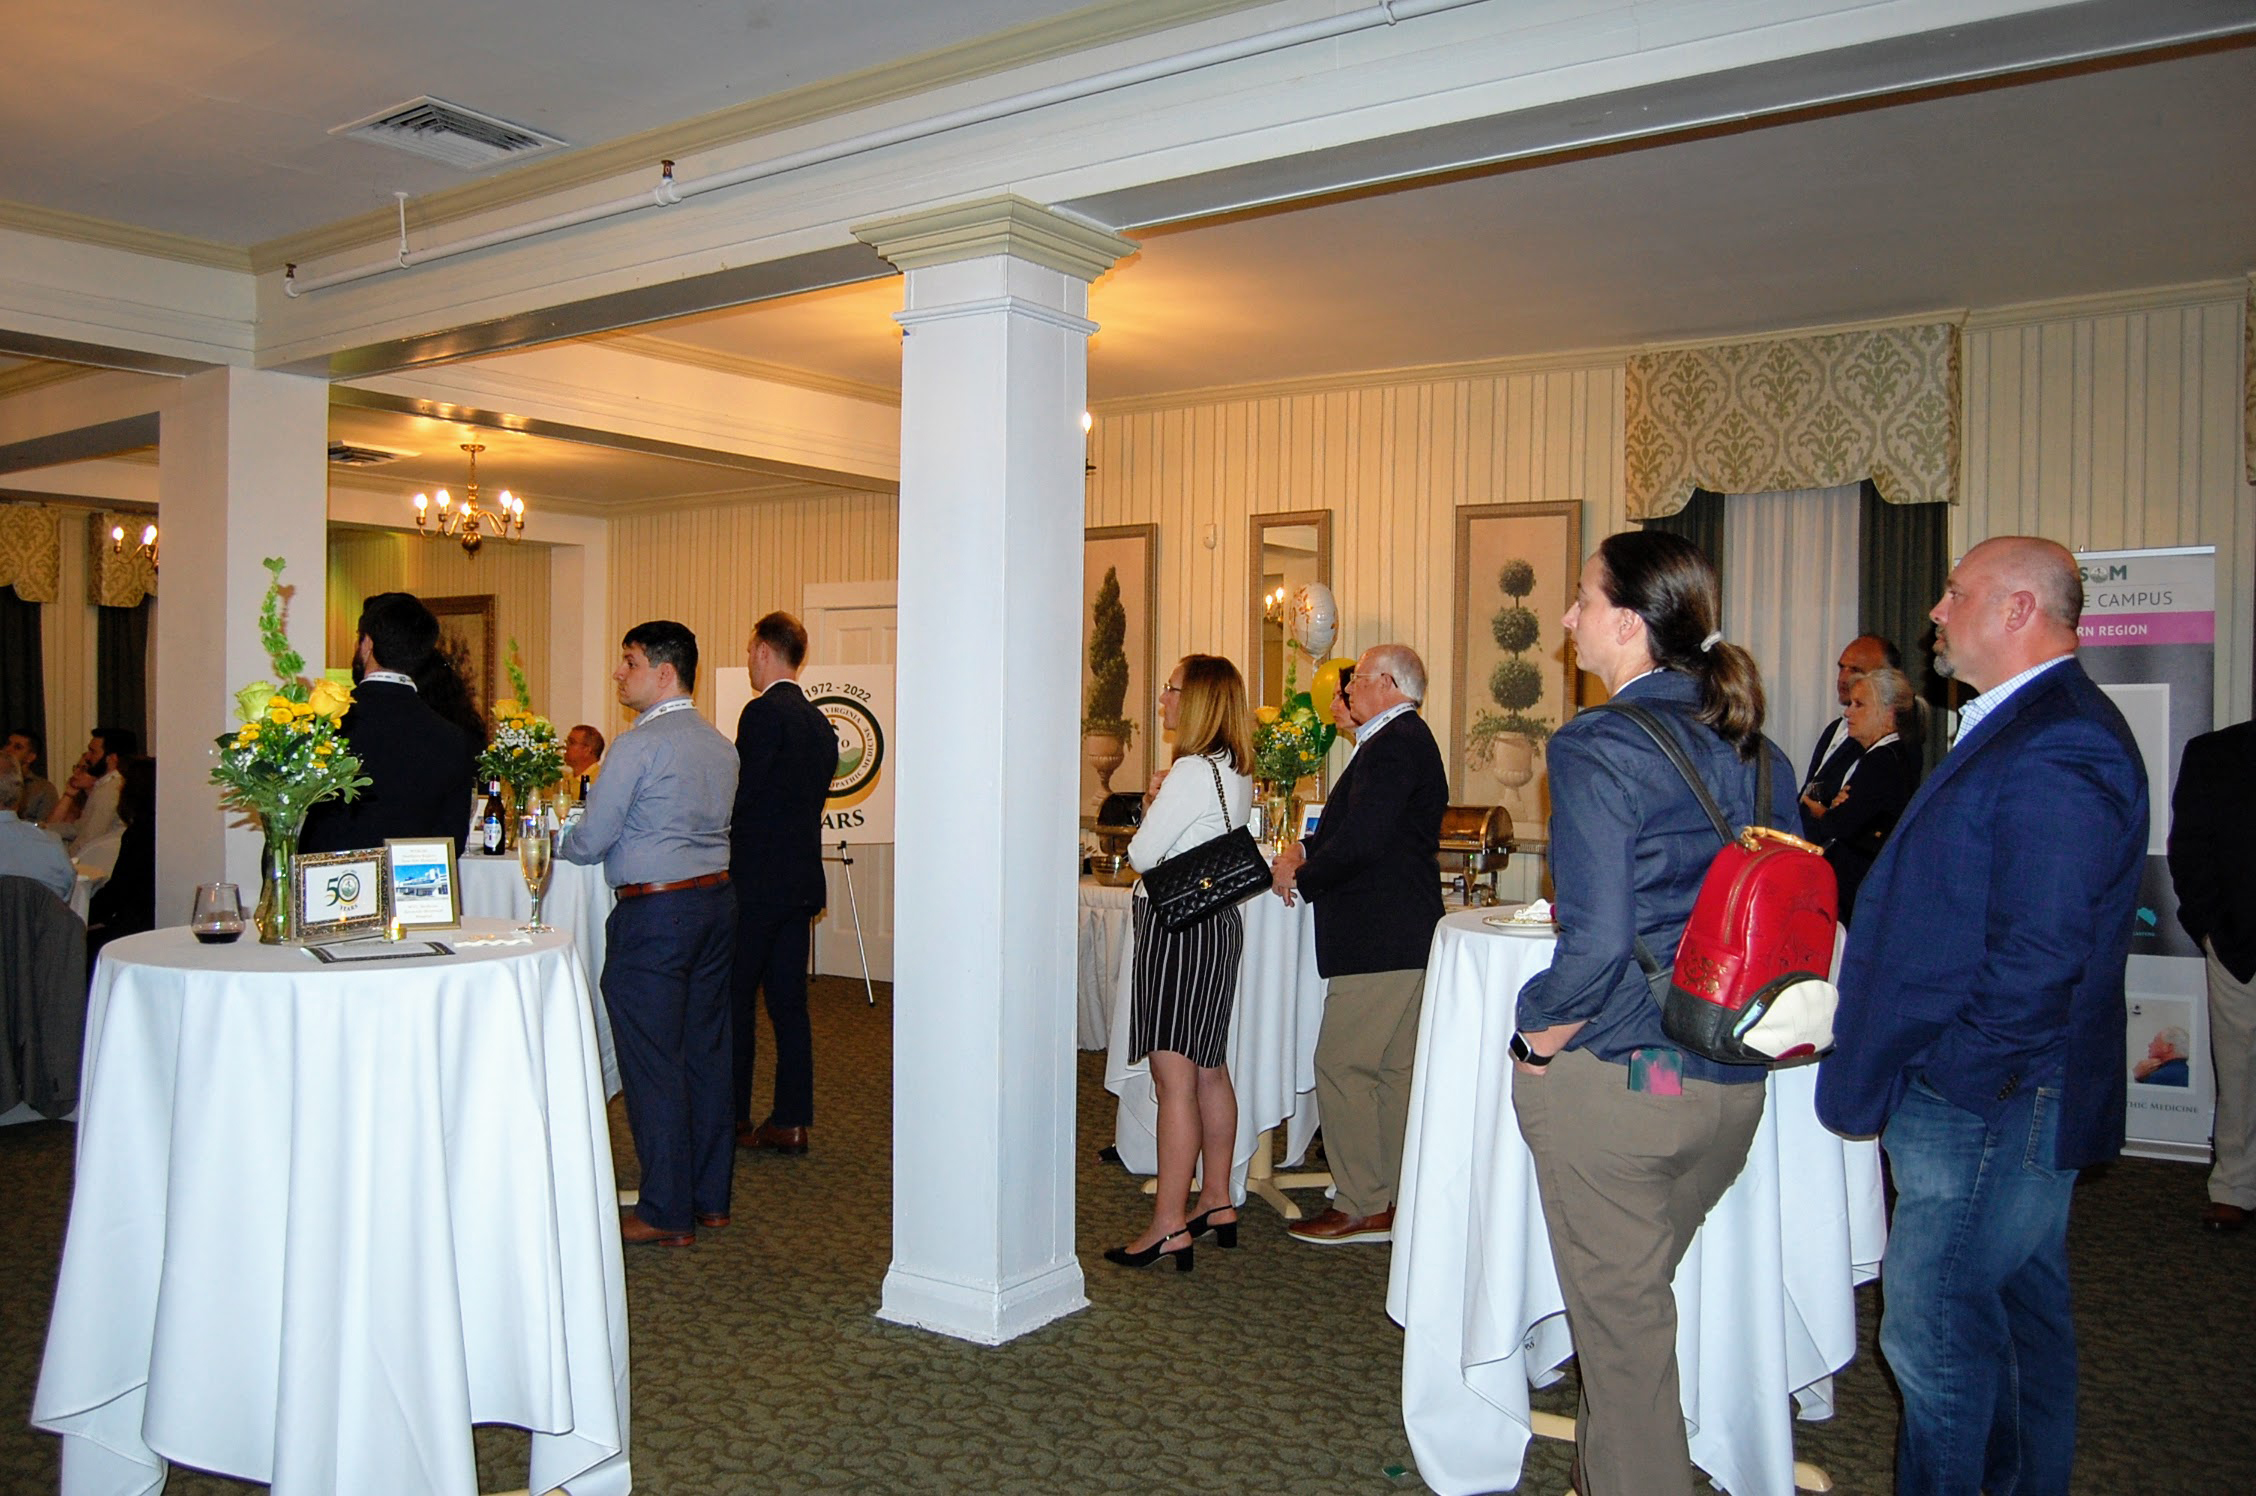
[[1626, 1180], [1363, 1059], [2232, 1049]]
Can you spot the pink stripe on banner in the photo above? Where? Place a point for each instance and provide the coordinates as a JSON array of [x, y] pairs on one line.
[[2098, 629]]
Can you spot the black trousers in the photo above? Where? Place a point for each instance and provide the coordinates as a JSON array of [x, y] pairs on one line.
[[665, 970], [771, 957]]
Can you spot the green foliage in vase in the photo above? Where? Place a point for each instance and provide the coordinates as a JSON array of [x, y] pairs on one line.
[[1108, 663]]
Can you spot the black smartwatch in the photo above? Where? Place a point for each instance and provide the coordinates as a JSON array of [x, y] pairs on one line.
[[1525, 1055]]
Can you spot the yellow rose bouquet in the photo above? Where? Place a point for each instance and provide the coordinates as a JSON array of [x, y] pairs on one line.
[[286, 757], [525, 753]]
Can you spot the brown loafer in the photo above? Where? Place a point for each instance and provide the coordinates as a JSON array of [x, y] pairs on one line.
[[637, 1232], [716, 1219], [1336, 1228], [769, 1138], [2218, 1216]]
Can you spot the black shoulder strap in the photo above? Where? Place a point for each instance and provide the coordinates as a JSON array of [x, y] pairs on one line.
[[1218, 793]]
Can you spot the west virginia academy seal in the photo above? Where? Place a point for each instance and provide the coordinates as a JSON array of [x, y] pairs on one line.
[[861, 748]]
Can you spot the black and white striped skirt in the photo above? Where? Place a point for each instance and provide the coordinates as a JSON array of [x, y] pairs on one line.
[[1186, 985]]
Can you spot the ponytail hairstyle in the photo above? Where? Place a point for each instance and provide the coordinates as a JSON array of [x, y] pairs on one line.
[[1671, 584]]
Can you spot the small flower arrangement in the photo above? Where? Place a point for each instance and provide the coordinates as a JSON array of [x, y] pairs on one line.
[[1290, 741], [525, 753], [286, 757]]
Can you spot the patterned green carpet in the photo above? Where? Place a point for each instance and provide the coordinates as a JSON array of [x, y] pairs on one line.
[[758, 1365]]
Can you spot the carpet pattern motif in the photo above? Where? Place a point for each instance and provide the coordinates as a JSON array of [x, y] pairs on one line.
[[759, 1367]]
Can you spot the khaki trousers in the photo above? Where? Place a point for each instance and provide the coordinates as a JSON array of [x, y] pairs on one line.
[[1626, 1180], [1363, 1059], [2232, 1050]]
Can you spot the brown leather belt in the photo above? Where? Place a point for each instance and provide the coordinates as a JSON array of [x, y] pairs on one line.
[[638, 890]]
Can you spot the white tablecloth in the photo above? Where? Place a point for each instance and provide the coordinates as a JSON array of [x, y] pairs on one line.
[[328, 1217], [1101, 944], [578, 903], [1473, 1285], [1272, 1054]]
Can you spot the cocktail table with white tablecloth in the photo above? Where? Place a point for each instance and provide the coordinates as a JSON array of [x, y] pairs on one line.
[[578, 903], [326, 1218], [1272, 1053], [1765, 1296]]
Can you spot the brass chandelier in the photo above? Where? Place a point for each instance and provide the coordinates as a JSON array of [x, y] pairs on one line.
[[469, 523]]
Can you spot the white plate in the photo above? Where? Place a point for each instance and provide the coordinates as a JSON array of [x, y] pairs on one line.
[[1510, 926]]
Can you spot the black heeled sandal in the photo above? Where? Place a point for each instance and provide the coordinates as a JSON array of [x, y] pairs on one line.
[[1225, 1232], [1152, 1253]]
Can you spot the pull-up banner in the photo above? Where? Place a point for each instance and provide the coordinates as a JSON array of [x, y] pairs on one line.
[[2148, 638]]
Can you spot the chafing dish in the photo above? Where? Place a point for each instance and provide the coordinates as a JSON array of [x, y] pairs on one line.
[[1112, 869], [1117, 821], [1476, 842]]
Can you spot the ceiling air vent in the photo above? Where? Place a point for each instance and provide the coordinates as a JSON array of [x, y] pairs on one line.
[[448, 132], [345, 454]]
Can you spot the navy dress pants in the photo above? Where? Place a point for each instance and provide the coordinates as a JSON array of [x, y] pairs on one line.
[[666, 981], [771, 957]]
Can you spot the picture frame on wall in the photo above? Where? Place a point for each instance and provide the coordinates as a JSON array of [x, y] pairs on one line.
[[466, 637], [1119, 691], [1516, 568]]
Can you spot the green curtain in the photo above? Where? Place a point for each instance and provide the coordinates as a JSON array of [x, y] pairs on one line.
[[1902, 558], [23, 678], [1699, 521], [121, 669]]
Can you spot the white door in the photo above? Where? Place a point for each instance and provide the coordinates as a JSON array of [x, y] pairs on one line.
[[854, 623]]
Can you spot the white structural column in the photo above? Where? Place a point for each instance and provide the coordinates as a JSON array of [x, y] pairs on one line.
[[993, 375], [242, 474]]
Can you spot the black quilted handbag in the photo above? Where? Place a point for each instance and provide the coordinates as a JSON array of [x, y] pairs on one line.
[[1215, 875]]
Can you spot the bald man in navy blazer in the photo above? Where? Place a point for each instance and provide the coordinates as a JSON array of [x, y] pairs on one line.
[[1981, 1026]]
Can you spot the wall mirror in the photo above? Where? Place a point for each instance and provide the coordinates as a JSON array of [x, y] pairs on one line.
[[1287, 552]]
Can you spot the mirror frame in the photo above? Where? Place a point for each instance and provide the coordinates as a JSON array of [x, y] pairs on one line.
[[1256, 526]]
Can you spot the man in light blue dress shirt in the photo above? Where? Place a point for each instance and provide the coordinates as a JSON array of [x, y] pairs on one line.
[[658, 821]]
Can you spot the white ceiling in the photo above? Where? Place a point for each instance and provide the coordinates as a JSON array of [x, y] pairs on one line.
[[212, 118], [2137, 176]]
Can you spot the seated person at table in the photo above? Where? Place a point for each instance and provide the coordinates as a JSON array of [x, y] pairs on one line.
[[127, 903], [1186, 981], [87, 811], [35, 802], [420, 763], [26, 850], [1634, 1139], [1855, 820], [583, 759]]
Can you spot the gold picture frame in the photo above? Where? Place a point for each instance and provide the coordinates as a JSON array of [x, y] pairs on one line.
[[423, 882], [338, 895]]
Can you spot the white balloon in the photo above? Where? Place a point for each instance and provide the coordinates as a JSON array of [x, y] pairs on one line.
[[1315, 619]]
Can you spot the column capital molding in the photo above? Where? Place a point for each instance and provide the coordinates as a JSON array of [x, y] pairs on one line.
[[1005, 225]]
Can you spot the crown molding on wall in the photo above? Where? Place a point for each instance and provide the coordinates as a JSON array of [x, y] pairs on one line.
[[39, 375], [2106, 304], [670, 350], [1093, 26], [82, 229], [789, 492]]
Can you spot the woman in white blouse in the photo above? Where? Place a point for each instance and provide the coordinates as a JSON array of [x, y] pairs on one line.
[[1186, 981]]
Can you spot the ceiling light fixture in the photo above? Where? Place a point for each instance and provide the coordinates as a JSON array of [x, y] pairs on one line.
[[469, 523], [147, 547]]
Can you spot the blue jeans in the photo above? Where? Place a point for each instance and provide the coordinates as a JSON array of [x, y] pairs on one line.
[[1976, 1325], [666, 982]]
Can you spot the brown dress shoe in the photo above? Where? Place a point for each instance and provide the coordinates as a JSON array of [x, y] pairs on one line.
[[637, 1232], [2218, 1216], [768, 1137], [1335, 1227], [716, 1219]]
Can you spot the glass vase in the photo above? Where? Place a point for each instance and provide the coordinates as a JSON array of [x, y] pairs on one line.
[[1280, 812], [276, 921]]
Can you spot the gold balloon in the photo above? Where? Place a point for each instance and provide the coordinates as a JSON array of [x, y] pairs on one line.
[[1325, 686]]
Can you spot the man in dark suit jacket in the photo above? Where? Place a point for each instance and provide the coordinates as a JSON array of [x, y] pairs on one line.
[[1981, 1026], [2213, 865], [1836, 750], [421, 766], [1372, 868], [786, 754]]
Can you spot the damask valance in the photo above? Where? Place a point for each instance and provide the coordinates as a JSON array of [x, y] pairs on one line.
[[31, 551], [1790, 413], [117, 578]]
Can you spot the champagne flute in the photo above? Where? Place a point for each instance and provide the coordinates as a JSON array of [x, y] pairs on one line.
[[535, 854]]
